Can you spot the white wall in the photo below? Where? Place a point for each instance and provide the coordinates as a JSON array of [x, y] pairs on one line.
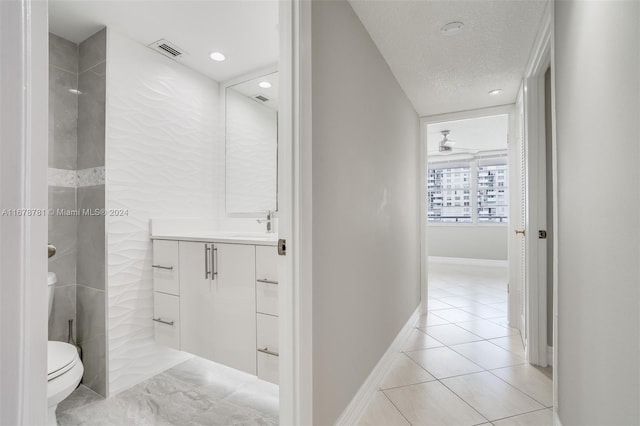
[[164, 154], [366, 231], [597, 72], [471, 242]]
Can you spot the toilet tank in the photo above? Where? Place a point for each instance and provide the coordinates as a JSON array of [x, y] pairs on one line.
[[52, 279]]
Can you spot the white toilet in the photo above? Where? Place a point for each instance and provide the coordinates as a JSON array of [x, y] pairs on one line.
[[64, 368]]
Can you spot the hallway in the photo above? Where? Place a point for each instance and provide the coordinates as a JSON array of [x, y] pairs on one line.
[[462, 364]]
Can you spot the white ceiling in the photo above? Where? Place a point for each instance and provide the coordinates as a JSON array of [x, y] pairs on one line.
[[442, 73], [478, 134], [244, 30]]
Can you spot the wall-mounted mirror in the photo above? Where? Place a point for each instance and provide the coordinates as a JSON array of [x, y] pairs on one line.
[[252, 145]]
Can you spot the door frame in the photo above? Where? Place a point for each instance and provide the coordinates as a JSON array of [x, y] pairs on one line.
[[295, 214], [24, 85], [536, 212], [509, 110]]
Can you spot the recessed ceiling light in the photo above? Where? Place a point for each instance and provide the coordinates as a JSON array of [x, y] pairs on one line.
[[217, 56], [495, 92], [452, 28], [264, 84]]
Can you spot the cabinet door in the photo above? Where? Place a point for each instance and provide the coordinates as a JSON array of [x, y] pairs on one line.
[[234, 313], [197, 297], [165, 267], [267, 263], [166, 316]]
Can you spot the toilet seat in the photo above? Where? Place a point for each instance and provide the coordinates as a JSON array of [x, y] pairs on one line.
[[61, 357]]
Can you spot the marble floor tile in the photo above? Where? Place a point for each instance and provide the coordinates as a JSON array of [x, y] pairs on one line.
[[444, 362], [430, 319], [536, 418], [483, 311], [435, 304], [530, 380], [457, 301], [419, 340], [382, 412], [197, 392], [433, 404], [486, 329], [490, 396], [455, 315], [512, 343], [405, 371], [451, 334], [488, 355]]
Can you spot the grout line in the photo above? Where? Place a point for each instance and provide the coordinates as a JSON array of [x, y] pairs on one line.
[[521, 414], [394, 405], [465, 401], [411, 384], [514, 386]]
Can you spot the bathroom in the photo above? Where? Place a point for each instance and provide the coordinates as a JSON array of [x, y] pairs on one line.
[[162, 177]]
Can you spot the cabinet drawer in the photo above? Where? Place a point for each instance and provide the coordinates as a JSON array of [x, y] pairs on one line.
[[267, 298], [267, 332], [165, 267], [166, 316], [268, 367], [267, 263]]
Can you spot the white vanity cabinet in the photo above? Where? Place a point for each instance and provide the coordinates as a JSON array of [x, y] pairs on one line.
[[166, 286], [217, 302]]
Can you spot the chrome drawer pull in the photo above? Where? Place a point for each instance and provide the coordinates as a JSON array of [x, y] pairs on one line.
[[268, 352], [170, 268], [160, 320], [268, 282]]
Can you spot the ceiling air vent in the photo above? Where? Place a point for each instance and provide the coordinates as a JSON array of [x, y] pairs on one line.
[[167, 49], [262, 98]]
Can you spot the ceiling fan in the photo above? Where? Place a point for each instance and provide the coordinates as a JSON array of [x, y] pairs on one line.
[[446, 145]]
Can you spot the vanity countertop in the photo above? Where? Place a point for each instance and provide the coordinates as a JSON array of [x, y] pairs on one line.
[[261, 239]]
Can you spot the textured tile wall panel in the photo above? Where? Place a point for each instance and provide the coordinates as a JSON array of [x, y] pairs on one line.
[[162, 160]]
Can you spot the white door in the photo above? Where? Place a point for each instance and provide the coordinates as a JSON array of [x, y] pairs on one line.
[[517, 245], [196, 299], [233, 326]]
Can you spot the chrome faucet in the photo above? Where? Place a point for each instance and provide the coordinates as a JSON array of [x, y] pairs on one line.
[[268, 221]]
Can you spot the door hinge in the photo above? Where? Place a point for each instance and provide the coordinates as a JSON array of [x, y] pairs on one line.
[[282, 247], [542, 234]]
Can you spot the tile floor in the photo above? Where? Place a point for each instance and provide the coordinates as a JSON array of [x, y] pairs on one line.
[[462, 365], [196, 392]]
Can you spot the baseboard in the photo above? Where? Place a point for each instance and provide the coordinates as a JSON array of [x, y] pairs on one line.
[[367, 391], [550, 355], [469, 261], [556, 419]]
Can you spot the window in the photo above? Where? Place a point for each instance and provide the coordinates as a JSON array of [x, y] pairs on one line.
[[445, 188], [474, 191]]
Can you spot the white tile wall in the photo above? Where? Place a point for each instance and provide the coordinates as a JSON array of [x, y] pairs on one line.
[[164, 158]]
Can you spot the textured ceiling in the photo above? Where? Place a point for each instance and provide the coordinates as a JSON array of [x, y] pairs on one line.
[[478, 134], [442, 73], [244, 30]]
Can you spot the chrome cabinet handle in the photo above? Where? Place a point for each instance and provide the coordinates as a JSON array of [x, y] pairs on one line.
[[51, 250], [214, 262], [268, 282], [268, 352], [170, 268], [206, 261], [160, 320]]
